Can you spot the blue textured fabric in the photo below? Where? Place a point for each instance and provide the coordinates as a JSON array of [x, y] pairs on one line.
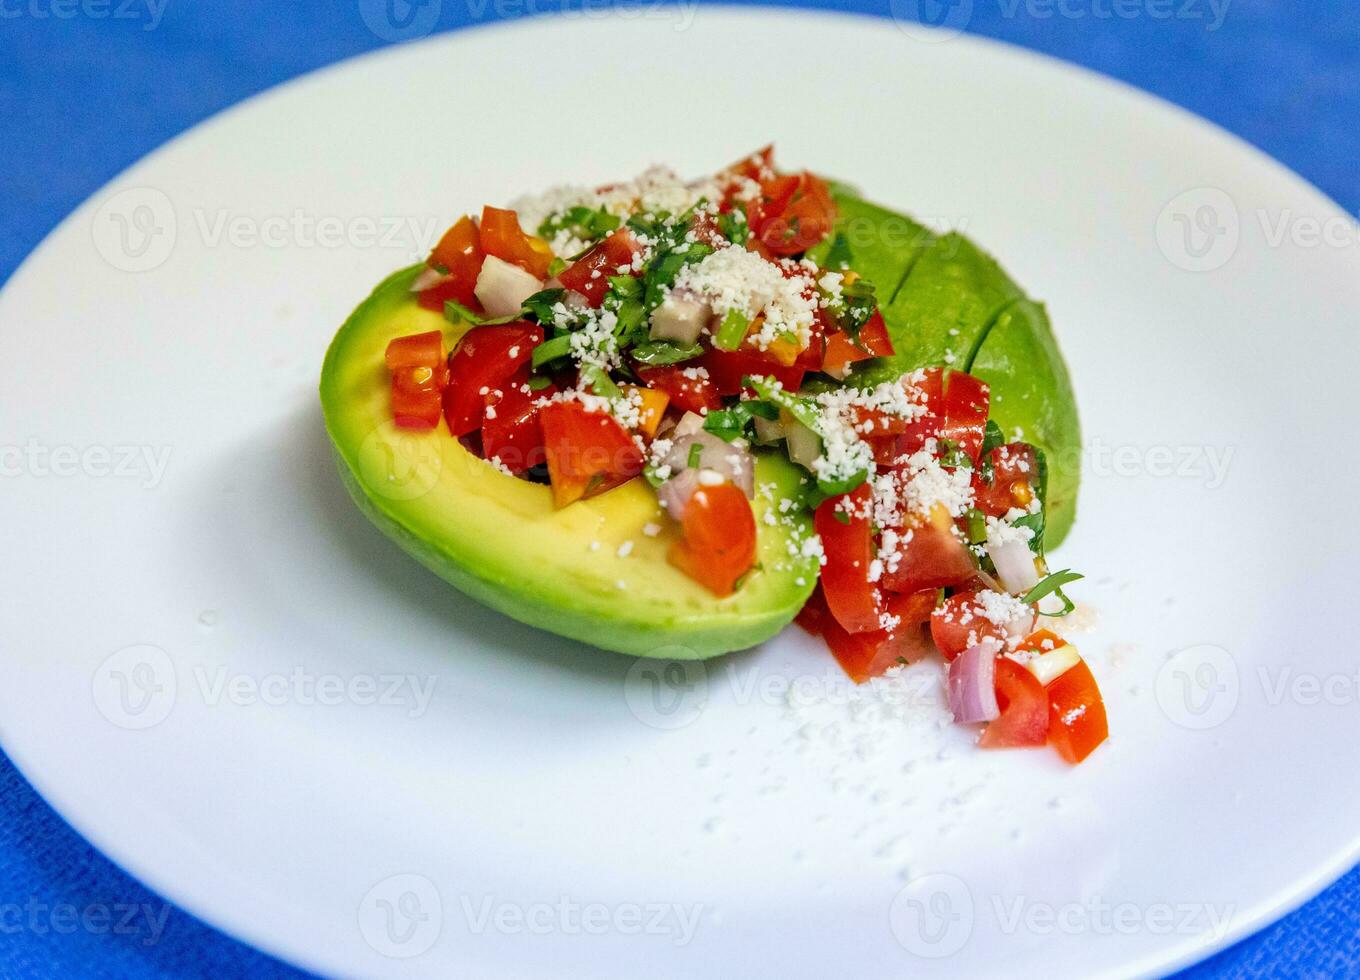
[[82, 96]]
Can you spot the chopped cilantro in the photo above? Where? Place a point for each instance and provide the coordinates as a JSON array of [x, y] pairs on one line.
[[551, 350], [663, 352], [1053, 584], [582, 222]]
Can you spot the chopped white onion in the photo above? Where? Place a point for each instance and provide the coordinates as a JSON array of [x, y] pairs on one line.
[[1052, 664], [730, 460], [769, 430], [1013, 559], [674, 494], [502, 288], [680, 319], [804, 445], [972, 685], [690, 423]]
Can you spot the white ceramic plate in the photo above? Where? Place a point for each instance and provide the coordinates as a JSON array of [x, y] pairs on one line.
[[212, 662]]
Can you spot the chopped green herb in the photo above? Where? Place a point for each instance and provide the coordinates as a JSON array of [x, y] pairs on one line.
[[733, 226], [551, 350], [731, 423], [842, 516], [977, 526], [663, 352], [992, 438], [732, 331], [834, 488], [803, 409], [599, 382], [1053, 584], [696, 451], [456, 312], [538, 382], [556, 267], [540, 304], [952, 455], [582, 222]]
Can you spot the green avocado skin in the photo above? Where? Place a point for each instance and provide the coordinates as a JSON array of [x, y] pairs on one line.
[[1031, 391], [499, 540], [947, 302]]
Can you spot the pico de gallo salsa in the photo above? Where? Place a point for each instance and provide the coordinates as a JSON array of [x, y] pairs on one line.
[[671, 331]]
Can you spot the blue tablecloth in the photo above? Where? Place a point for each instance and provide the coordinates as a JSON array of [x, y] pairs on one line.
[[82, 96]]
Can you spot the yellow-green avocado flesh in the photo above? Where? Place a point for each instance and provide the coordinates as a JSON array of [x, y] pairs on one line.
[[588, 571]]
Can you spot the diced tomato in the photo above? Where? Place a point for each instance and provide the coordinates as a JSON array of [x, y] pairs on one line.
[[910, 639], [885, 450], [958, 624], [726, 369], [796, 213], [705, 228], [416, 397], [459, 253], [773, 197], [718, 538], [935, 556], [846, 530], [758, 166], [1024, 709], [417, 350], [588, 452], [965, 412], [927, 425], [866, 655], [589, 275], [689, 394], [512, 432], [418, 378], [814, 615], [501, 236], [1015, 472], [841, 351], [873, 422], [811, 356], [486, 357], [1076, 713]]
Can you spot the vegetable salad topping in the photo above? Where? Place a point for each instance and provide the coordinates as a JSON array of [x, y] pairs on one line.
[[676, 331]]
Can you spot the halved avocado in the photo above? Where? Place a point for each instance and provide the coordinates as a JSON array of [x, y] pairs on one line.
[[500, 540]]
